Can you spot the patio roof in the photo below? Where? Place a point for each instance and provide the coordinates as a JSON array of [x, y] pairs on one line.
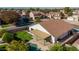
[[40, 34]]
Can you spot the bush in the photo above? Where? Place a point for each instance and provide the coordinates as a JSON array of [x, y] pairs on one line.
[[7, 37], [37, 19], [2, 31], [17, 46], [70, 48], [59, 47], [3, 47], [56, 47], [3, 26]]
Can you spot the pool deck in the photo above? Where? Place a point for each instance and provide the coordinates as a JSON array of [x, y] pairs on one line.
[[40, 43]]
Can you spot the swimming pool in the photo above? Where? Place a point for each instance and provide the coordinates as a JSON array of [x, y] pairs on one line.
[[33, 47]]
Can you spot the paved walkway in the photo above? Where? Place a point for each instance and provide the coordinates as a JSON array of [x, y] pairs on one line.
[[40, 43]]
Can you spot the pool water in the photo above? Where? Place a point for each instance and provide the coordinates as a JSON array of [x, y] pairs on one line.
[[33, 47]]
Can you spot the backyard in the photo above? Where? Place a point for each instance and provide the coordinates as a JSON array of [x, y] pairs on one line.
[[19, 37], [23, 35]]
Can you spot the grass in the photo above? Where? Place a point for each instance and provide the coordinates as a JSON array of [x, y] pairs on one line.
[[23, 36]]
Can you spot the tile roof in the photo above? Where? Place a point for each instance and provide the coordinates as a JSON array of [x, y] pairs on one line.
[[56, 27]]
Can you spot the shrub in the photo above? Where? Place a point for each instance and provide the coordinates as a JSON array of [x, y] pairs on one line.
[[2, 31], [70, 48], [7, 37], [17, 46], [3, 47], [37, 19], [59, 47], [56, 47]]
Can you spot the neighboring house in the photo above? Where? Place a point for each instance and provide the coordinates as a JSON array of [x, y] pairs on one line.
[[23, 13], [76, 12], [57, 29], [54, 15], [31, 15], [35, 14], [74, 18]]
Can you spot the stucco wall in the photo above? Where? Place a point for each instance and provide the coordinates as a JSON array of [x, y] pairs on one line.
[[31, 15]]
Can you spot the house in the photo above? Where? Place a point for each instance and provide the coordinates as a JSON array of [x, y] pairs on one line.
[[54, 15], [74, 18], [31, 15], [23, 13], [57, 29], [35, 14], [76, 12]]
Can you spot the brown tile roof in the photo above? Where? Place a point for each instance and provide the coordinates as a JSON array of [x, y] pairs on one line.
[[56, 27]]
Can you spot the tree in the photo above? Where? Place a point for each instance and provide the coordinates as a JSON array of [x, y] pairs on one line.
[[7, 37], [22, 21], [37, 19], [55, 10], [59, 47], [62, 15], [68, 11], [31, 9], [9, 16], [46, 10], [37, 9], [17, 46]]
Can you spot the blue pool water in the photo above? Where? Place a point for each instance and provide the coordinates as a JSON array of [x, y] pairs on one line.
[[33, 47]]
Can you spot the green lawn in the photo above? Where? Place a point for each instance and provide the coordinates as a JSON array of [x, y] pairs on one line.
[[24, 35]]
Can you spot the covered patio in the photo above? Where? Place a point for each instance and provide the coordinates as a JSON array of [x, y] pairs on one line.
[[42, 39]]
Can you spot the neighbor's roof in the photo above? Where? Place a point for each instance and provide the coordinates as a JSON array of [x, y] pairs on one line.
[[40, 34], [56, 27]]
